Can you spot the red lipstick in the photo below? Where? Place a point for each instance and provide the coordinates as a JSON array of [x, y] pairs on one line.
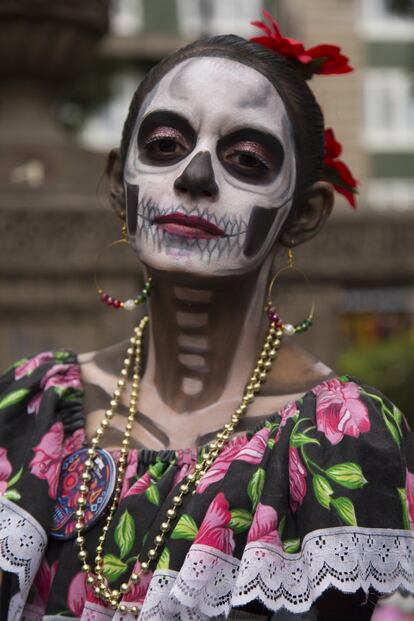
[[193, 227]]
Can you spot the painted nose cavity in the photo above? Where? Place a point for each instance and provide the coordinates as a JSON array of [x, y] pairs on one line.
[[197, 179]]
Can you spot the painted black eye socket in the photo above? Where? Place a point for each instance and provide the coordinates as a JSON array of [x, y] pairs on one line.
[[164, 149], [247, 163], [251, 155], [164, 138]]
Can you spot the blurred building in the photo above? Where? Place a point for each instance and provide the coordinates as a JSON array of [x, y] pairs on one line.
[[362, 265]]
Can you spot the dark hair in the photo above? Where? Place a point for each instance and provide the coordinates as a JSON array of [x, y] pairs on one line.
[[303, 110]]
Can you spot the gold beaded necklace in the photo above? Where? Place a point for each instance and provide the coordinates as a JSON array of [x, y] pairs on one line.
[[96, 579]]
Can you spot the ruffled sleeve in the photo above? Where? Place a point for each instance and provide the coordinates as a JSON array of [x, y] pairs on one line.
[[41, 422], [349, 514], [318, 503]]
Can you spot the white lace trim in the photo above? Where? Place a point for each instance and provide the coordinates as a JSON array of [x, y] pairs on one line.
[[22, 545], [210, 582]]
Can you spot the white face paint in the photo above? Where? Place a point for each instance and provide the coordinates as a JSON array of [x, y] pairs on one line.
[[210, 171]]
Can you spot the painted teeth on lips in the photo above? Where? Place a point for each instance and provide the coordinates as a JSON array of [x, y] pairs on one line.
[[188, 226]]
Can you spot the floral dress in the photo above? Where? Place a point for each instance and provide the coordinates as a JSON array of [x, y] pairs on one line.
[[320, 495]]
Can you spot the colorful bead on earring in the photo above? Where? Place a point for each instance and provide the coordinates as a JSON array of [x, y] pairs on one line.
[[109, 300], [274, 317]]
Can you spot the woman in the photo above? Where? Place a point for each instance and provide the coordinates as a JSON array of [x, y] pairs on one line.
[[252, 482]]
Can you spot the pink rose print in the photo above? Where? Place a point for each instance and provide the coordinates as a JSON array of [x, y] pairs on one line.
[[138, 592], [32, 364], [409, 488], [48, 457], [74, 442], [5, 470], [289, 410], [77, 594], [222, 463], [62, 376], [340, 411], [43, 583], [254, 450], [34, 404], [264, 526], [140, 486], [214, 530], [49, 453], [186, 458], [297, 479]]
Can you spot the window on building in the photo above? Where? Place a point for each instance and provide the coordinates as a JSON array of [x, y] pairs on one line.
[[127, 17], [403, 8], [390, 193], [389, 109], [204, 17], [387, 19]]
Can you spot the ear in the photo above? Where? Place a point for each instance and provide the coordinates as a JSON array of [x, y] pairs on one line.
[[116, 185], [312, 213]]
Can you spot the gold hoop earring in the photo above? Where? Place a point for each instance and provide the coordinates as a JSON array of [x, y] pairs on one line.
[[274, 317], [128, 305]]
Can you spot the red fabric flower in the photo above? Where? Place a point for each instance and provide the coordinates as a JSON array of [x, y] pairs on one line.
[[323, 59], [336, 171]]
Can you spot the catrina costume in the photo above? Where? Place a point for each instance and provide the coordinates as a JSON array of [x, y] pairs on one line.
[[318, 499], [321, 495]]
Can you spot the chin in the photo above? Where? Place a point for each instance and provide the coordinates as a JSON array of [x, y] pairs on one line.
[[197, 260]]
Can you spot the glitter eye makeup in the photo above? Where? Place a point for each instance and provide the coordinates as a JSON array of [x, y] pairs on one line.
[[251, 155], [164, 133], [164, 138]]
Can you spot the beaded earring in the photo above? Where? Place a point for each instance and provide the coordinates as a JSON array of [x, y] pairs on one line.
[[127, 305], [274, 317]]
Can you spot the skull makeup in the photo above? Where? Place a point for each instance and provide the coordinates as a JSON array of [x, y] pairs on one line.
[[210, 172]]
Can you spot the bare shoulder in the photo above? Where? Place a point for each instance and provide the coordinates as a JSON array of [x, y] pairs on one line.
[[107, 361], [296, 371]]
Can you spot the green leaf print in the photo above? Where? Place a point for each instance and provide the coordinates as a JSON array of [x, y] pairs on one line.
[[156, 470], [15, 478], [13, 397], [164, 561], [291, 546], [404, 505], [392, 428], [345, 509], [125, 533], [282, 524], [397, 415], [255, 487], [186, 528], [113, 567], [72, 394], [153, 494], [12, 494], [61, 356], [300, 439], [240, 520], [323, 490], [347, 474]]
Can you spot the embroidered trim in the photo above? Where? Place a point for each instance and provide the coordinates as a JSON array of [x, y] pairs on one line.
[[210, 582], [22, 544]]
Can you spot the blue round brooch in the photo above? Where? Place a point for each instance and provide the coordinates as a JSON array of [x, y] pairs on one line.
[[101, 487]]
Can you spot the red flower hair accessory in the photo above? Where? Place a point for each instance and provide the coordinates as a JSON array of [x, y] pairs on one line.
[[323, 59], [336, 171]]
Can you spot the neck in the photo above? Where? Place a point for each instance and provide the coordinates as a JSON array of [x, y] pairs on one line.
[[204, 337]]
